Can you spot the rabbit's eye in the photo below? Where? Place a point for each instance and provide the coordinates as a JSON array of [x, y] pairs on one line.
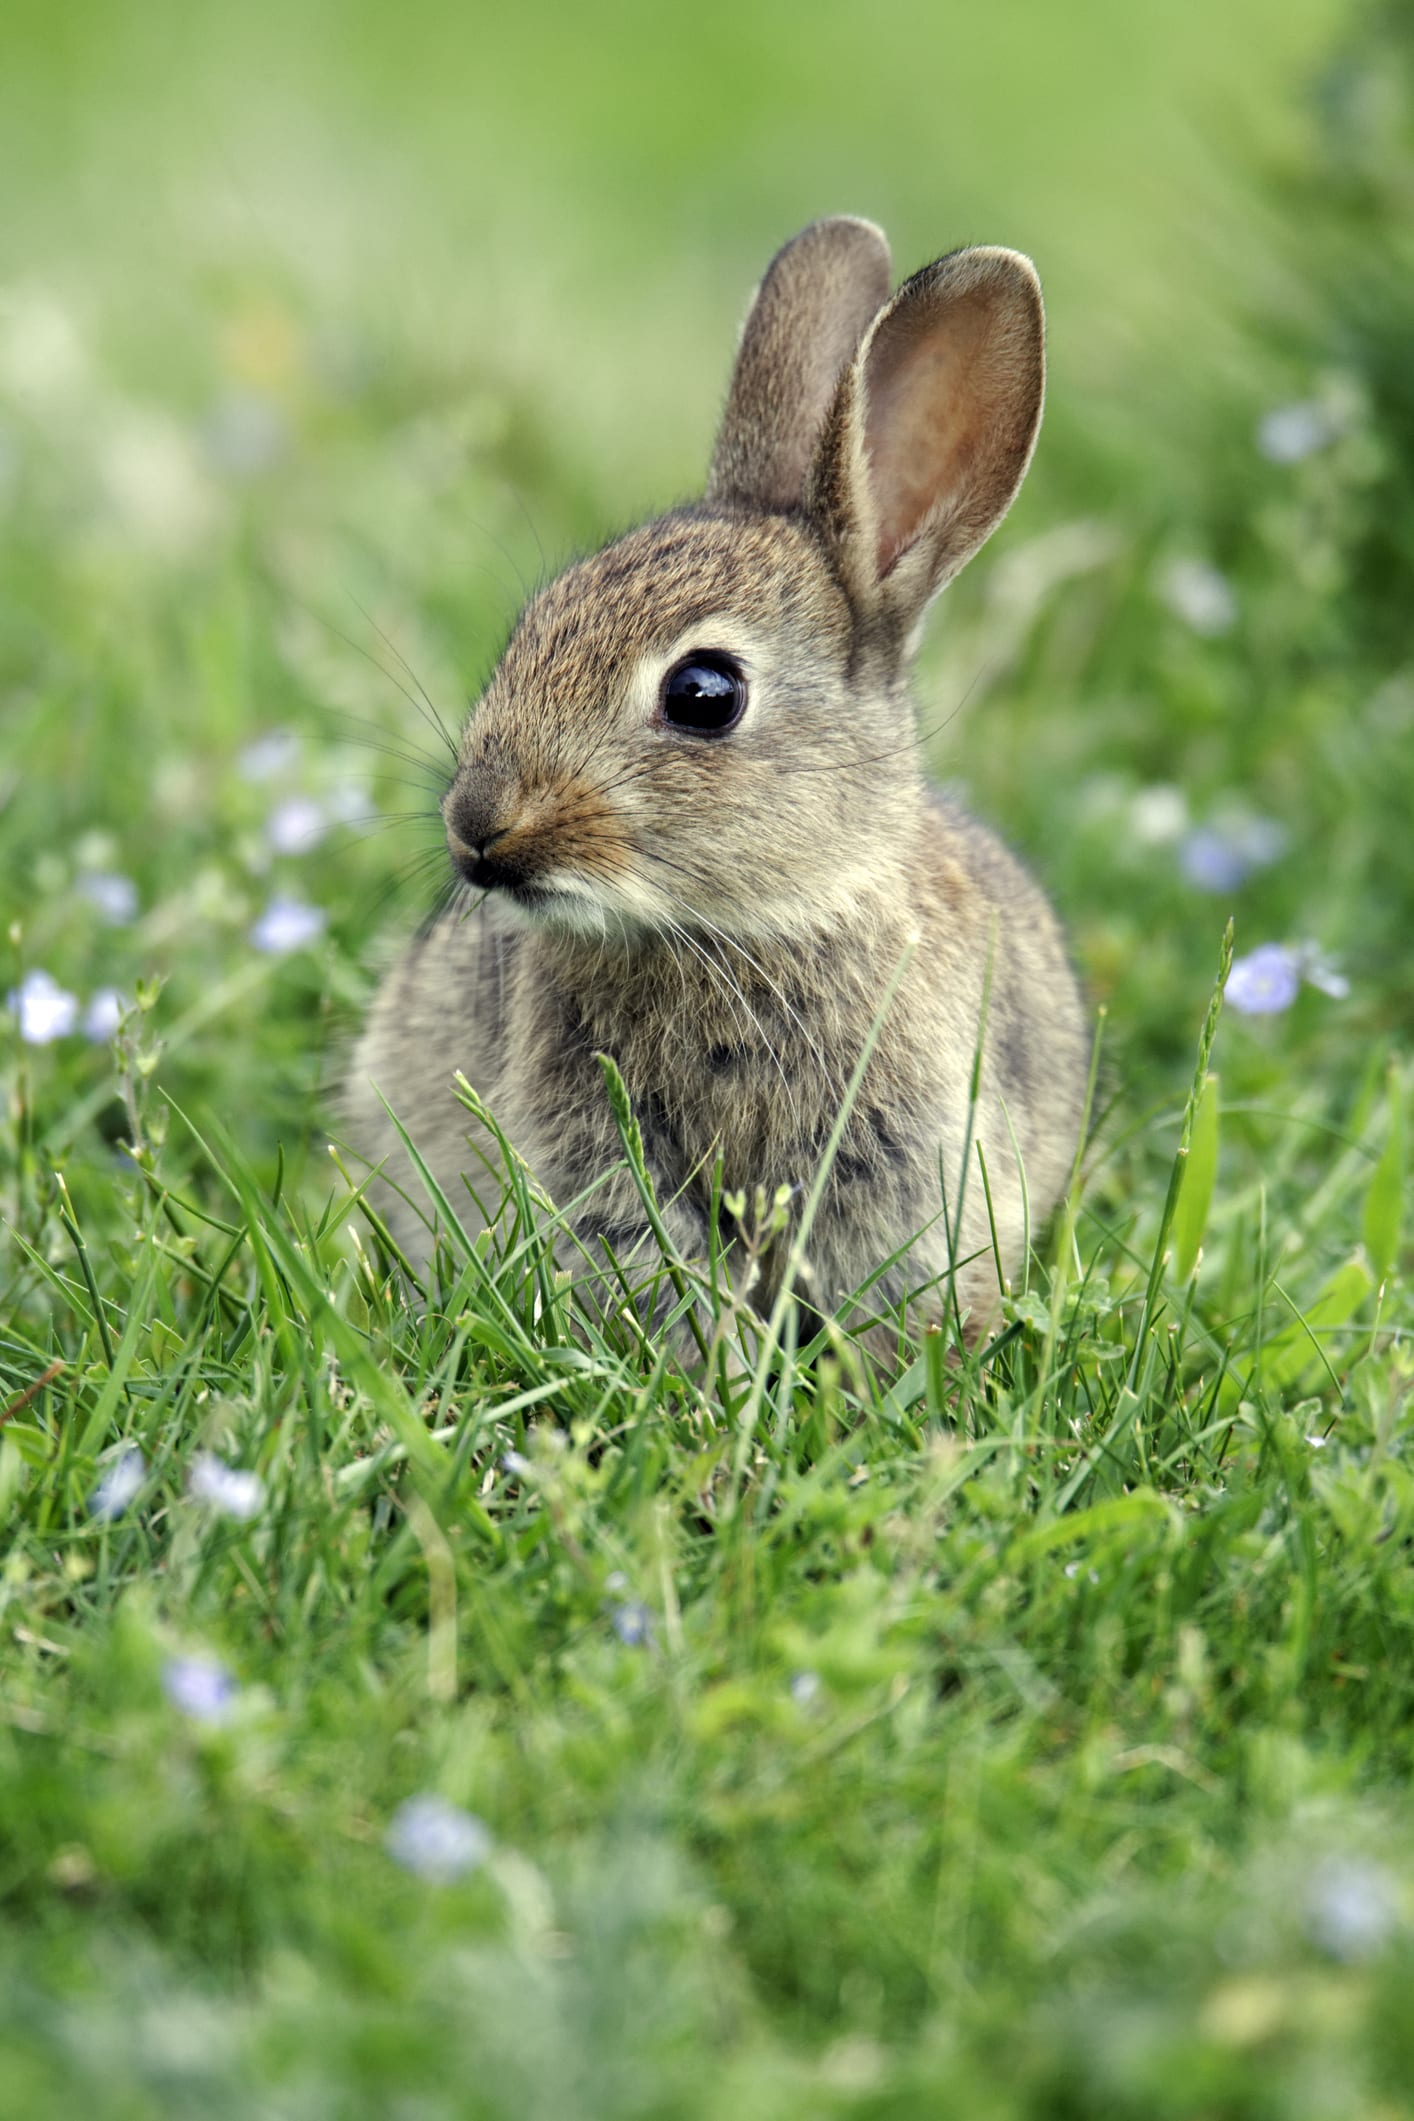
[[705, 693]]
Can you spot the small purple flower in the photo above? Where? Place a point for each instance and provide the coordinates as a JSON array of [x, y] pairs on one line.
[[1211, 861], [1350, 1908], [1221, 856], [804, 1688], [268, 756], [633, 1624], [1195, 592], [103, 1016], [119, 1484], [46, 1010], [436, 1840], [1268, 979], [227, 1489], [200, 1687], [114, 896], [1288, 433], [1265, 981], [287, 924], [516, 1464], [296, 825]]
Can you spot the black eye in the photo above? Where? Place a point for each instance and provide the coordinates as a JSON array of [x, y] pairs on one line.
[[705, 693]]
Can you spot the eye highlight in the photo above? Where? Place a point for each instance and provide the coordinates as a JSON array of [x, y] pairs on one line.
[[705, 693]]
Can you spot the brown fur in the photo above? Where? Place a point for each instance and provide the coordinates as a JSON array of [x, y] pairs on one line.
[[724, 915]]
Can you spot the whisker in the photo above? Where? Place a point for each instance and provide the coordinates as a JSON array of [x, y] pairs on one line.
[[398, 885], [428, 710], [518, 497], [311, 611], [727, 943], [385, 820], [733, 943], [382, 740]]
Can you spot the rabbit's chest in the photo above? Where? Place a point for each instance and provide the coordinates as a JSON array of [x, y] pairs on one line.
[[711, 1073], [753, 1073], [759, 1107]]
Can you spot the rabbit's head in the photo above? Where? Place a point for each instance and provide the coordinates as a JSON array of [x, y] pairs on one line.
[[706, 724]]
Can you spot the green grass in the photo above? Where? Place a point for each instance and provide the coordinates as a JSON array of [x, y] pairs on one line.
[[1019, 1736]]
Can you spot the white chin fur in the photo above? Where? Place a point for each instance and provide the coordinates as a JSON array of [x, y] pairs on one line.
[[576, 908]]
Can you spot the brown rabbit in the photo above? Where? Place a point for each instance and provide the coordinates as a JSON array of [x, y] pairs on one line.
[[692, 795]]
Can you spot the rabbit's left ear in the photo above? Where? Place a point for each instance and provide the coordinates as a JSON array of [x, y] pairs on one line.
[[809, 313], [931, 429]]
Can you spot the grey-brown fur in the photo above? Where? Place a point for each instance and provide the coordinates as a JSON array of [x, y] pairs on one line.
[[727, 912]]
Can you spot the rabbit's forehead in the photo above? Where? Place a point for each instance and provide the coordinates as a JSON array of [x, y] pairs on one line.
[[641, 596]]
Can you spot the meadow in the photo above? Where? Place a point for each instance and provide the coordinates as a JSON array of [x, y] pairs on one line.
[[435, 1702]]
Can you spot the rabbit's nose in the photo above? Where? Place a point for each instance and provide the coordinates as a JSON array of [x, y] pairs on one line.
[[475, 850], [474, 858], [478, 812]]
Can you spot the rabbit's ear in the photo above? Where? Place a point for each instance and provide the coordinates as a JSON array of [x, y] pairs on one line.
[[931, 429], [818, 298]]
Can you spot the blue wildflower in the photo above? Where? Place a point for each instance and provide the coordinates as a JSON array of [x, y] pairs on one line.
[[227, 1489], [287, 924], [114, 896], [1220, 856], [633, 1624], [200, 1688], [103, 1015], [437, 1840], [119, 1485], [1350, 1908], [1288, 433], [46, 1010], [1265, 981], [268, 756], [1195, 592]]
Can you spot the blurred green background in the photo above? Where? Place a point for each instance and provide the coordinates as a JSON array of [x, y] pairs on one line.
[[583, 195]]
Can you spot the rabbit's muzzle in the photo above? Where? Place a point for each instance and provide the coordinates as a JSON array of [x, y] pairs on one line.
[[532, 843], [486, 837], [480, 866]]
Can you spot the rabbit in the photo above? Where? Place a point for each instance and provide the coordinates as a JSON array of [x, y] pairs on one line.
[[691, 794]]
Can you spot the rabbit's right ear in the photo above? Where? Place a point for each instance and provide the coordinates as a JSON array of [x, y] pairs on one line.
[[930, 431], [819, 297]]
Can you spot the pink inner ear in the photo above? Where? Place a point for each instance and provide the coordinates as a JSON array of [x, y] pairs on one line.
[[943, 396]]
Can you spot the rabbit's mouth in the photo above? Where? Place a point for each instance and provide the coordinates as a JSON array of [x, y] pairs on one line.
[[493, 865], [538, 862], [543, 897]]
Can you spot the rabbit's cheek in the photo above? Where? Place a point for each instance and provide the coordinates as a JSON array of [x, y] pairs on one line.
[[573, 834]]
